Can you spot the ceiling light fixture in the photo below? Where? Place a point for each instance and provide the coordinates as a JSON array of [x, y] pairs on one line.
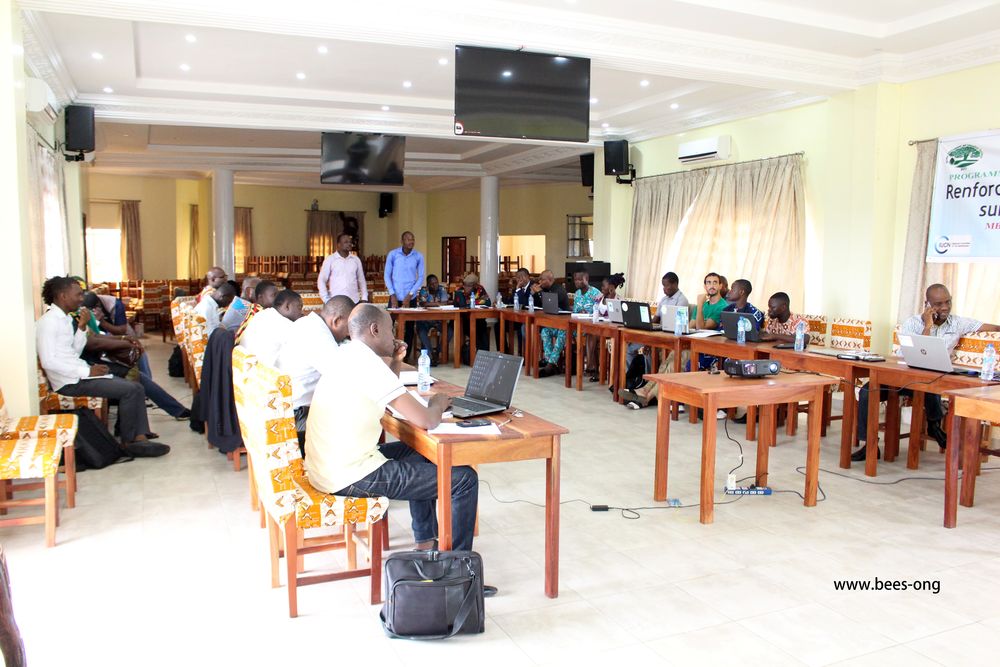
[[593, 100], [300, 75], [507, 74], [322, 50], [109, 89], [185, 67], [644, 83], [675, 106], [191, 39], [385, 108], [407, 84], [97, 56], [442, 61]]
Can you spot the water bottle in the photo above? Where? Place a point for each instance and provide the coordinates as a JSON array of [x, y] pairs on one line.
[[517, 302], [681, 320], [741, 331], [989, 364], [424, 372], [531, 303], [499, 302], [800, 336]]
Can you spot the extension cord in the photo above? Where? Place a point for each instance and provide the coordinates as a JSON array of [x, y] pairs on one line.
[[748, 491]]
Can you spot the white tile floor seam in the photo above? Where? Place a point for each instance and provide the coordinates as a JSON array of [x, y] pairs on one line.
[[170, 549]]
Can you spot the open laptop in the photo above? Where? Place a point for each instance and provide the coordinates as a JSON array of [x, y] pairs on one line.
[[927, 352], [635, 315], [615, 310], [491, 385], [729, 326], [550, 304]]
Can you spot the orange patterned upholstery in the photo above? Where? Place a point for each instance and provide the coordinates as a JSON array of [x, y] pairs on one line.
[[302, 285], [970, 349], [848, 334], [50, 401], [311, 301], [818, 329]]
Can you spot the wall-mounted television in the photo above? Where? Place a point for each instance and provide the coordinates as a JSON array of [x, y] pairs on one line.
[[350, 158], [521, 95]]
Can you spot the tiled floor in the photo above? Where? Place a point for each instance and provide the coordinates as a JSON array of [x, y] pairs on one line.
[[162, 563]]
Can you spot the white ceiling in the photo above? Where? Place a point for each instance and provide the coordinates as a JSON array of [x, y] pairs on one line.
[[239, 92]]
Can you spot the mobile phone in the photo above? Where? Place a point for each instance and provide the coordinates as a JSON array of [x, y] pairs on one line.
[[468, 423]]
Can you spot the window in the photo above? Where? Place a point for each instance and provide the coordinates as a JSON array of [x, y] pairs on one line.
[[104, 255]]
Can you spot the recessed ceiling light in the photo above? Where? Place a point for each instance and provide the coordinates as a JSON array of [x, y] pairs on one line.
[[109, 89], [300, 75], [605, 125], [385, 108], [407, 84], [442, 61], [644, 83], [507, 74], [322, 49], [560, 59], [190, 39], [97, 56], [593, 100], [675, 106], [185, 67]]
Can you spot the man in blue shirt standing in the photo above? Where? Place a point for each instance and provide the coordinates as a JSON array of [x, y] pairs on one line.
[[404, 276]]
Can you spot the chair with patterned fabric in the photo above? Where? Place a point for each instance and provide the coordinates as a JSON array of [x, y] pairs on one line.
[[30, 448], [818, 329], [311, 302], [156, 306], [49, 401], [293, 505], [848, 334]]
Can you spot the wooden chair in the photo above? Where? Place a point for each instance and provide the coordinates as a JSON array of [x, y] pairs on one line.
[[30, 448], [311, 302], [156, 306], [11, 646], [292, 504]]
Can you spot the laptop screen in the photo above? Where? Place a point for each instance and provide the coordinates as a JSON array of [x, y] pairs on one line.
[[494, 377]]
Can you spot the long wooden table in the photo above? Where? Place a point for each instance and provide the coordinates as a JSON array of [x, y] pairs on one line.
[[544, 320], [476, 314], [655, 340], [712, 392], [602, 329], [527, 318], [521, 439], [967, 408], [403, 315]]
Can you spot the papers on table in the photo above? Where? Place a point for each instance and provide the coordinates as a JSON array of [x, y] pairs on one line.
[[452, 428], [448, 307], [410, 379], [707, 333], [420, 399]]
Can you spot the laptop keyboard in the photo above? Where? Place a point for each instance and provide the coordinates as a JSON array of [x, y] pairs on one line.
[[469, 403]]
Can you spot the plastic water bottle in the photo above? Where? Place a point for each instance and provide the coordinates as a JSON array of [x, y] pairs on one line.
[[531, 303], [989, 363], [517, 302], [499, 302], [424, 372], [741, 331], [800, 336], [681, 320]]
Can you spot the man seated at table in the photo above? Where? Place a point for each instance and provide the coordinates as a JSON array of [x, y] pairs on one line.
[[241, 305], [433, 294], [264, 294], [553, 340], [781, 323], [585, 300], [270, 328], [343, 455], [210, 304], [521, 284], [473, 294], [310, 350], [936, 320]]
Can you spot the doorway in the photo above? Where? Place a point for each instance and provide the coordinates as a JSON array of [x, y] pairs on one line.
[[452, 258]]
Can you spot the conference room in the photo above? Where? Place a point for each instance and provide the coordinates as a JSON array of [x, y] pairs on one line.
[[532, 332]]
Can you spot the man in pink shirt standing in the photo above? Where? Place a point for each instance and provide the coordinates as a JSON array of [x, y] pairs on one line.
[[342, 273]]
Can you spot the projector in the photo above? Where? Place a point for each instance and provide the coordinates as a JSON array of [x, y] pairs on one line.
[[750, 368]]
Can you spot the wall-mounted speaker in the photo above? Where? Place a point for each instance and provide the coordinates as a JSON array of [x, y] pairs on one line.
[[616, 157], [384, 204], [587, 170], [79, 128]]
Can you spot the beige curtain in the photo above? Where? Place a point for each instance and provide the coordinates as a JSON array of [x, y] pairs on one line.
[[131, 240], [243, 221], [46, 211], [323, 227], [193, 268], [742, 220], [968, 282]]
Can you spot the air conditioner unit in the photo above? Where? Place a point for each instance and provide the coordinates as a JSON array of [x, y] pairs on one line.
[[705, 150], [39, 100]]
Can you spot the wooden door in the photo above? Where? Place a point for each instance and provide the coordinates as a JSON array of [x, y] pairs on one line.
[[452, 259]]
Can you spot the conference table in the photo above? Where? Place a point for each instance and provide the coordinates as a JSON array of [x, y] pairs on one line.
[[476, 314], [603, 330], [543, 320], [433, 314], [523, 438], [526, 318], [655, 340], [967, 408]]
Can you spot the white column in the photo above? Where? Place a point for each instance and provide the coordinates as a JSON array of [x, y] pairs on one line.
[[223, 232], [489, 233]]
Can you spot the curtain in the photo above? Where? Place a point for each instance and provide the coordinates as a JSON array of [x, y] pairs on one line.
[[131, 240], [742, 220], [46, 211], [323, 227], [970, 283], [243, 217], [193, 271]]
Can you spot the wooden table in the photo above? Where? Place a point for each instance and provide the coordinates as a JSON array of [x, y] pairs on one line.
[[544, 320], [527, 318], [722, 347], [602, 330], [476, 314], [895, 374], [712, 392], [521, 439], [967, 408], [403, 315], [655, 340]]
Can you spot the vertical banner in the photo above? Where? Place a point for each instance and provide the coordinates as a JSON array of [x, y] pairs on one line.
[[965, 209]]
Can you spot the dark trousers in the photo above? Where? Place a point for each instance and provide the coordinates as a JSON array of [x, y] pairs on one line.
[[932, 408], [155, 392], [132, 420], [409, 476], [482, 340], [407, 336], [301, 417]]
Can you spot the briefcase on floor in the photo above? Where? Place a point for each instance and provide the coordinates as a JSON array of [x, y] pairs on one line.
[[433, 594]]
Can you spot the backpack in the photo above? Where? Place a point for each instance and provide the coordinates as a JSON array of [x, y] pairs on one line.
[[95, 447], [175, 365], [634, 373]]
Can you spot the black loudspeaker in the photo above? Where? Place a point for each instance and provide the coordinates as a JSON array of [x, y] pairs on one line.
[[384, 204], [587, 170], [79, 128], [615, 157]]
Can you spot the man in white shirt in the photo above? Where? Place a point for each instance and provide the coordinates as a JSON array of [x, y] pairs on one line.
[[342, 273], [214, 279], [270, 328], [342, 451], [310, 350], [209, 306], [60, 339]]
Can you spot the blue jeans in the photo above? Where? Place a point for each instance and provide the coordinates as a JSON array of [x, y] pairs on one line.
[[424, 329], [933, 409], [155, 392], [409, 476]]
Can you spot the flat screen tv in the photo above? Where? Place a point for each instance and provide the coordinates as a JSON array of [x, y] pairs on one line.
[[521, 95], [349, 158]]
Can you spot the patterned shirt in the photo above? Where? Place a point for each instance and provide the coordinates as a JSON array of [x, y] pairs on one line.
[[749, 309], [788, 328], [583, 302], [479, 297], [951, 330], [254, 309], [425, 295]]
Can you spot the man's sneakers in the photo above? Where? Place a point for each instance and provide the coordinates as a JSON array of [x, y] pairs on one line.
[[862, 453], [489, 591], [548, 370]]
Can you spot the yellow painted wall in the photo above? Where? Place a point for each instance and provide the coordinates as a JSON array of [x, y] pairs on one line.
[[185, 196]]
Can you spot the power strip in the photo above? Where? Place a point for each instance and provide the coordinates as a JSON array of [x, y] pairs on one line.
[[748, 491]]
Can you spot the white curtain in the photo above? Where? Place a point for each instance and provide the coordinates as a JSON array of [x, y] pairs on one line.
[[46, 212]]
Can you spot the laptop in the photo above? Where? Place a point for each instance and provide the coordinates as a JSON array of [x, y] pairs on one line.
[[635, 315], [550, 304], [491, 385], [668, 317], [615, 310], [729, 326], [927, 352]]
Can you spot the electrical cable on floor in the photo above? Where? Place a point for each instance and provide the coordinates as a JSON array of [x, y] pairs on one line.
[[801, 471]]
